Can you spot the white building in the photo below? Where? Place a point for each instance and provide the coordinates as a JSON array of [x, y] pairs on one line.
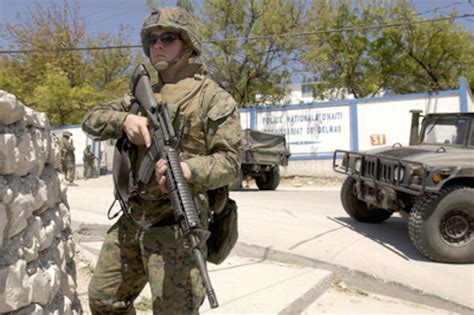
[[302, 93]]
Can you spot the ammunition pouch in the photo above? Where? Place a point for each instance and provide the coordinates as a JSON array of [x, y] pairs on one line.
[[224, 233]]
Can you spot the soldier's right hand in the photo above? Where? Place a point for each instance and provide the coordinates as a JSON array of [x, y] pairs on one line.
[[136, 128]]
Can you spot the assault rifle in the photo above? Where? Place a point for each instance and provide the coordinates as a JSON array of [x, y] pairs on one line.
[[163, 143]]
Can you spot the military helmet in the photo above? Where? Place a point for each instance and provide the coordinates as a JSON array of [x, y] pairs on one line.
[[176, 20], [67, 134]]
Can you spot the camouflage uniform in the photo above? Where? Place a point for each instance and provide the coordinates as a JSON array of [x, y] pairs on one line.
[[88, 159], [208, 120], [68, 160]]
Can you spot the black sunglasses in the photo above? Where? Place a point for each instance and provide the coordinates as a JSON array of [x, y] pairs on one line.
[[165, 38]]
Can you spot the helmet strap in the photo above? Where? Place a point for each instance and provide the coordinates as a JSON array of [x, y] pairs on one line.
[[184, 51], [163, 65], [173, 61]]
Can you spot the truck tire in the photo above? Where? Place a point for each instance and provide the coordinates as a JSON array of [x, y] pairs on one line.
[[358, 209], [441, 225], [269, 181]]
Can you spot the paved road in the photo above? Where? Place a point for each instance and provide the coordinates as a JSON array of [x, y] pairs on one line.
[[312, 224], [307, 227]]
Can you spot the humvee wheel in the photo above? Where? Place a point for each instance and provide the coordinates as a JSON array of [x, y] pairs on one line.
[[441, 225], [358, 209], [269, 181]]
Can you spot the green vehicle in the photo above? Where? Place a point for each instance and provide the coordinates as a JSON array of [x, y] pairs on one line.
[[262, 154], [431, 181]]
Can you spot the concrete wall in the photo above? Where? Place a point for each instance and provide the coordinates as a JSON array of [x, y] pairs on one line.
[[389, 119], [37, 269], [313, 131]]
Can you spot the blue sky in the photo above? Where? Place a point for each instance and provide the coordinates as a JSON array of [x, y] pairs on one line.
[[108, 15]]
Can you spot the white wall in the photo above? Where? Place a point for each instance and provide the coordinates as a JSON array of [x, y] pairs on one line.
[[309, 130], [295, 95], [80, 141], [391, 119], [245, 119], [356, 124]]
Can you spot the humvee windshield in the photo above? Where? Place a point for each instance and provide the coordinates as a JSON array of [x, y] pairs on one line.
[[444, 130]]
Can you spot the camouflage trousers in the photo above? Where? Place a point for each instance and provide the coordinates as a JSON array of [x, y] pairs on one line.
[[69, 170], [130, 258], [89, 170]]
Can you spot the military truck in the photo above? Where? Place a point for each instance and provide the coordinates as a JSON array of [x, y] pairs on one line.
[[262, 154], [431, 182]]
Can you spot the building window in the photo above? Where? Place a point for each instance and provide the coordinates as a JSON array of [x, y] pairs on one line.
[[307, 90]]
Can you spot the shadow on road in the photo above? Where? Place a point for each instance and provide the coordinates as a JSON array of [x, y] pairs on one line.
[[391, 234], [247, 189]]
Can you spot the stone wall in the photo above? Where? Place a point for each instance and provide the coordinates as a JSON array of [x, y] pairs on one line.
[[37, 269]]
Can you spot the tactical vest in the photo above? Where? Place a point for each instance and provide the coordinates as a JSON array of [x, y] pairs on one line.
[[188, 105], [188, 108]]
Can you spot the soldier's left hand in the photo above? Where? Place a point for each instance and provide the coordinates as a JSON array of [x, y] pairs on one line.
[[160, 171]]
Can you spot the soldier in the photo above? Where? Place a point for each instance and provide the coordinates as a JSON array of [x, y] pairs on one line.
[[88, 159], [208, 122], [68, 159]]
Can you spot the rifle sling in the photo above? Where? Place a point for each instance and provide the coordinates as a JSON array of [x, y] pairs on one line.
[[121, 167], [121, 173]]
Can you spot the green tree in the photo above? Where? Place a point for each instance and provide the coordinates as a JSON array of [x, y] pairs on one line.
[[353, 62], [185, 4], [108, 71], [9, 81], [403, 59], [96, 74], [431, 56], [62, 103], [43, 28], [253, 71]]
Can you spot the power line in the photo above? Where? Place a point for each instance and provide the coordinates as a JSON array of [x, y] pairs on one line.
[[68, 49], [438, 9], [349, 29]]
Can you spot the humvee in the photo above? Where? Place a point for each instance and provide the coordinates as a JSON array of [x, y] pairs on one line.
[[262, 154], [430, 181]]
